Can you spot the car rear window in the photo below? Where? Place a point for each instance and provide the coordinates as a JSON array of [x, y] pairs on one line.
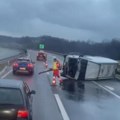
[[41, 54], [23, 62], [11, 96], [19, 60]]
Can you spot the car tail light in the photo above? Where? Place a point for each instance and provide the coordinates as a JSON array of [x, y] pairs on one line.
[[30, 65], [23, 114], [53, 81], [15, 65]]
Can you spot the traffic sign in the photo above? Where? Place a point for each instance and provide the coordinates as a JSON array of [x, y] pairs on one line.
[[41, 46]]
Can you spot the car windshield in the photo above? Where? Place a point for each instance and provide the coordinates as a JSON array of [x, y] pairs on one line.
[[11, 96]]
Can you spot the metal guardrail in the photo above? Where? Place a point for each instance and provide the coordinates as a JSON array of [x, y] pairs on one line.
[[62, 54], [8, 61], [55, 52]]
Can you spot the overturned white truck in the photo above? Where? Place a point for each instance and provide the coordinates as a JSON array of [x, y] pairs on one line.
[[88, 67]]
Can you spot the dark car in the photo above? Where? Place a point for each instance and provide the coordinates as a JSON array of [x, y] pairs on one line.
[[41, 56], [23, 65], [15, 100]]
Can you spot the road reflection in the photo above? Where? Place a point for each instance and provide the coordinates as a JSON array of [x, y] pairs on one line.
[[74, 90]]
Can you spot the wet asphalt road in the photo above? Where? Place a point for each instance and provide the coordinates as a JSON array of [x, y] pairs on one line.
[[90, 100]]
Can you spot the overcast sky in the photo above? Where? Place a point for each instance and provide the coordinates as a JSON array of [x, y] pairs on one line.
[[70, 19]]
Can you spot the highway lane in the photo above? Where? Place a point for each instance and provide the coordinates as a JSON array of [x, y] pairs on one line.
[[113, 85], [89, 101], [96, 100], [44, 103]]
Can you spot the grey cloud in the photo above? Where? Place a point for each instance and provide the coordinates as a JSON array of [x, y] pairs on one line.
[[79, 19], [78, 14]]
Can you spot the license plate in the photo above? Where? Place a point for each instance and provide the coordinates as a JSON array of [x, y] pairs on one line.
[[22, 69]]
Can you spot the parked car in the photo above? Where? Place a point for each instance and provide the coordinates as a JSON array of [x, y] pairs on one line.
[[15, 100]]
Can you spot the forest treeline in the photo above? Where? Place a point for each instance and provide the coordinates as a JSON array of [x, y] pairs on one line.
[[109, 49]]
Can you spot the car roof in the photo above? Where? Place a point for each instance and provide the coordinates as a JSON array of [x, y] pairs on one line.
[[10, 83], [41, 51], [24, 59]]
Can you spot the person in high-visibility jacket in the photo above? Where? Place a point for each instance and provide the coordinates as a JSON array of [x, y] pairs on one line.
[[56, 71]]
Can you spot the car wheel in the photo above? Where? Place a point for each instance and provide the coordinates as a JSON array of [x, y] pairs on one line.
[[31, 73], [30, 118]]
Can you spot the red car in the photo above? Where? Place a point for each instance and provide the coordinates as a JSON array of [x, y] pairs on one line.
[[23, 65], [41, 56]]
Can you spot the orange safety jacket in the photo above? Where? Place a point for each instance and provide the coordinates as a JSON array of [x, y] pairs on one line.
[[55, 66]]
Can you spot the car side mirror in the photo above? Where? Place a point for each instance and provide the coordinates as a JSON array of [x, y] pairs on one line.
[[32, 92]]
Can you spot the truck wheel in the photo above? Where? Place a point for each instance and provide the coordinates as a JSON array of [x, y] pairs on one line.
[[30, 118]]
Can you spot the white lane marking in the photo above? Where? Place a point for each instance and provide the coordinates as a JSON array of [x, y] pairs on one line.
[[6, 74], [114, 94], [48, 73], [61, 107], [111, 88]]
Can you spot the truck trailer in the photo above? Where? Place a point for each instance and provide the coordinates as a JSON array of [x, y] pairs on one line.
[[88, 67]]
